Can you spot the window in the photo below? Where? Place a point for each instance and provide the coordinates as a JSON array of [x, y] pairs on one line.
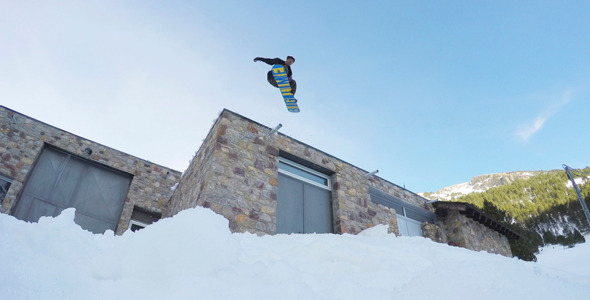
[[302, 173], [141, 218], [136, 225], [409, 217], [4, 186]]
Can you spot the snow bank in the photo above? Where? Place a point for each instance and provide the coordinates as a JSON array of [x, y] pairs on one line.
[[194, 256]]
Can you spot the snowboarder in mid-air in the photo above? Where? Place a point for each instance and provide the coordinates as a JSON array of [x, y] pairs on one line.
[[285, 63]]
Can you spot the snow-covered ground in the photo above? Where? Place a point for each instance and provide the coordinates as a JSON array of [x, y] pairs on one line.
[[579, 181], [194, 256]]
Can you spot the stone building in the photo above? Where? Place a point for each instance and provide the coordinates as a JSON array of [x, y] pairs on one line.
[[464, 225], [44, 170], [265, 182], [261, 180]]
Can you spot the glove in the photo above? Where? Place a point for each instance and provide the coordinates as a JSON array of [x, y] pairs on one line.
[[256, 59]]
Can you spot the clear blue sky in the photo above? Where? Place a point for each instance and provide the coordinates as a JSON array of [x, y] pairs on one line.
[[431, 93]]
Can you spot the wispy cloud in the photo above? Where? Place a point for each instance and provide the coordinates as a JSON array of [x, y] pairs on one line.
[[526, 131]]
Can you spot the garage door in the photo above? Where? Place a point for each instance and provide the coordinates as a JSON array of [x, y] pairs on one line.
[[304, 203], [60, 180]]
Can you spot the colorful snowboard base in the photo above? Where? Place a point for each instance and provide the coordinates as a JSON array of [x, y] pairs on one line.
[[280, 75]]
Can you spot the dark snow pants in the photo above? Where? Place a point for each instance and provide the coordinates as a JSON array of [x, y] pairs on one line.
[[273, 82]]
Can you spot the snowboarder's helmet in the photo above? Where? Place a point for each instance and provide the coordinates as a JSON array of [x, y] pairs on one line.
[[291, 57]]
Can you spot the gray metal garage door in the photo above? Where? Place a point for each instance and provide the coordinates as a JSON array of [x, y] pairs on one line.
[[304, 203], [60, 180]]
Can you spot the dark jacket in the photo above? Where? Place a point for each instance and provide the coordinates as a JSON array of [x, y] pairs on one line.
[[276, 61]]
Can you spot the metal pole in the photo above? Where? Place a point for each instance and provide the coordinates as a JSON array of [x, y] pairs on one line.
[[369, 175], [584, 207], [275, 129]]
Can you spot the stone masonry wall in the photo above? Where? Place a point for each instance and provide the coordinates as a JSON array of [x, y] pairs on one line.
[[235, 173], [434, 232], [352, 206], [464, 232], [22, 139]]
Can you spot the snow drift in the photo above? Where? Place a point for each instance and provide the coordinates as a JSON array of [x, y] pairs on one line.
[[194, 256]]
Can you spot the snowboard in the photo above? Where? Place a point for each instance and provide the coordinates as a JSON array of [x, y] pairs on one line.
[[280, 75]]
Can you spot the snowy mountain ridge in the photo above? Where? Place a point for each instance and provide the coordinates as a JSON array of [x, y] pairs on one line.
[[479, 184]]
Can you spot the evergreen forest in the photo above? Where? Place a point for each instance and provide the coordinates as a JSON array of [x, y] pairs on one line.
[[543, 209]]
